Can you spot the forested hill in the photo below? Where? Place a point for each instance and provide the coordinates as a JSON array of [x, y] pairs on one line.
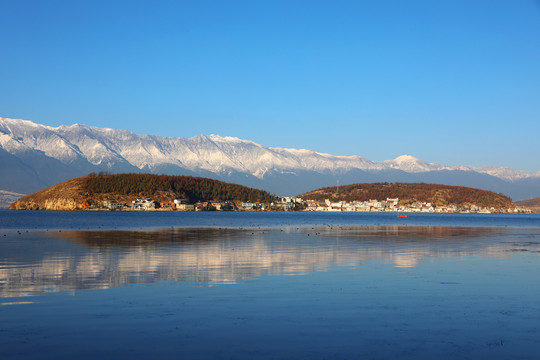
[[187, 187], [85, 191], [407, 193]]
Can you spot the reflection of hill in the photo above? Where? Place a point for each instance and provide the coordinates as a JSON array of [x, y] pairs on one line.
[[100, 259]]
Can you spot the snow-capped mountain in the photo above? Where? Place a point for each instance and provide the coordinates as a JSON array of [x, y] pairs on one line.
[[34, 156]]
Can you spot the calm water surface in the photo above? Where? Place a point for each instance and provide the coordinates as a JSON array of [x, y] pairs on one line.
[[268, 286], [138, 220]]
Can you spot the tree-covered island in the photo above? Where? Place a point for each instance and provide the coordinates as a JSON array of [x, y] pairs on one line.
[[140, 192]]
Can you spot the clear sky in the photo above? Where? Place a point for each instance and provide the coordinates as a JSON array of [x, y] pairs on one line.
[[453, 82]]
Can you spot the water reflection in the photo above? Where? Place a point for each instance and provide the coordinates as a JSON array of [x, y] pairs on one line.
[[71, 260]]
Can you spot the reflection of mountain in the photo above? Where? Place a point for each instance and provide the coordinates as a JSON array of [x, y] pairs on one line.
[[101, 259]]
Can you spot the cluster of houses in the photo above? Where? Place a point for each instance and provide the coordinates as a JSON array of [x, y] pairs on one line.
[[298, 204], [148, 204], [392, 205]]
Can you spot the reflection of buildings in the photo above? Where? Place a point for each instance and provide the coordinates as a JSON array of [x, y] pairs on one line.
[[101, 259]]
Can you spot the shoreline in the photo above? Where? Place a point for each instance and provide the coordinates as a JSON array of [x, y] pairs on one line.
[[14, 221], [272, 211]]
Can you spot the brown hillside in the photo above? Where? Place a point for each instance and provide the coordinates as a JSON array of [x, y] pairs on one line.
[[532, 204], [90, 191], [68, 195], [408, 193]]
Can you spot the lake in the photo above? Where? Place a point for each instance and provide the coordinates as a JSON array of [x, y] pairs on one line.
[[268, 285]]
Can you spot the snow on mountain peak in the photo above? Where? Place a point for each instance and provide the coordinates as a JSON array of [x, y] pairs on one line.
[[410, 163], [406, 158], [210, 153], [229, 139]]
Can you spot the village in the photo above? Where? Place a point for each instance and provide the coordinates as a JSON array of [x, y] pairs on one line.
[[392, 205], [298, 204]]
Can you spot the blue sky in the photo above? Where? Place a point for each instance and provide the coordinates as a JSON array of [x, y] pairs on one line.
[[452, 82]]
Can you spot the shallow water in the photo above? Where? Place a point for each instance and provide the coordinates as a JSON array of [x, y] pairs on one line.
[[305, 291]]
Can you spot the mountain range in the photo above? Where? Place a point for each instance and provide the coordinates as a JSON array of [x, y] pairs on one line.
[[35, 156]]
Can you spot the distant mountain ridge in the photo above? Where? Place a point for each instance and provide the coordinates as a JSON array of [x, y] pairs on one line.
[[35, 156], [7, 198]]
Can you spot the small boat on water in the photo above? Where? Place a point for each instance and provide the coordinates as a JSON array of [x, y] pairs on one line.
[[402, 216]]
